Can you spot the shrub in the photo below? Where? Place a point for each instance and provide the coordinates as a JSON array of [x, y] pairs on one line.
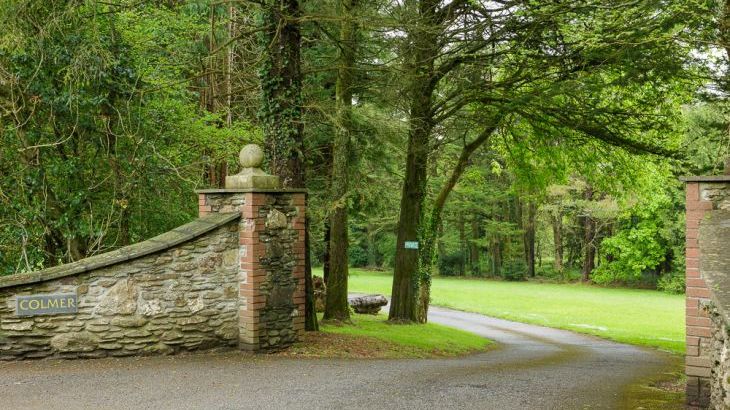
[[358, 256], [451, 264], [386, 247], [672, 283], [514, 270]]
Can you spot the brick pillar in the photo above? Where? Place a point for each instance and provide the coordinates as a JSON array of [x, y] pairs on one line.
[[698, 326], [703, 195], [271, 273]]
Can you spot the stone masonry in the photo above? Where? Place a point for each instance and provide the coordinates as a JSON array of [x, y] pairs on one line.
[[706, 198], [271, 250], [715, 268], [233, 278], [176, 292]]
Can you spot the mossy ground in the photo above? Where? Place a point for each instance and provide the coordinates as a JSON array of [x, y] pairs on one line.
[[664, 391]]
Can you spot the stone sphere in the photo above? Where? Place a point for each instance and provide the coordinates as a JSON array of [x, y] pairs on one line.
[[251, 156]]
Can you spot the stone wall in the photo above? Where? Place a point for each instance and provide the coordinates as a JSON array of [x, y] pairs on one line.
[[720, 356], [708, 199], [176, 292], [715, 268], [232, 278], [272, 263]]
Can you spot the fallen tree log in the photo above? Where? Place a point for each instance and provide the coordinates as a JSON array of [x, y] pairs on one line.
[[368, 304]]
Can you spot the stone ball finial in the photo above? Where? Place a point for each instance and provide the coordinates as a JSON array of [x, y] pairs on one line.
[[251, 156], [251, 176]]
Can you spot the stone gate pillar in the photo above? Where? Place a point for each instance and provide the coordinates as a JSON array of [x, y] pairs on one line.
[[703, 194], [271, 252]]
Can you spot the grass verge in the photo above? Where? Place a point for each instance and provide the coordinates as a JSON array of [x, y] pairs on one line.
[[634, 316], [370, 336]]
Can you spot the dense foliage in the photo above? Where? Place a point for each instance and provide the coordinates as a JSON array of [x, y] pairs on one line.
[[512, 139]]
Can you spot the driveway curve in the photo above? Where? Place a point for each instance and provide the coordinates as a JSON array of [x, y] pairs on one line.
[[532, 368]]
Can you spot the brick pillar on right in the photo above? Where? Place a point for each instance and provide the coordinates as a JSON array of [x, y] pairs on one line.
[[703, 194]]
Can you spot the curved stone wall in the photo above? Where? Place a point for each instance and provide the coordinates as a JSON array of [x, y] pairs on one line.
[[175, 292]]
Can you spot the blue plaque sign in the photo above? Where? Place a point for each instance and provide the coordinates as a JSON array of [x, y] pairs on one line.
[[51, 304]]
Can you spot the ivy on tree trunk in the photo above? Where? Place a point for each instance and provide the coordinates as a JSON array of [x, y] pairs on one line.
[[281, 111]]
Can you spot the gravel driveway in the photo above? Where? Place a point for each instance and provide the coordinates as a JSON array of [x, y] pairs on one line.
[[532, 368]]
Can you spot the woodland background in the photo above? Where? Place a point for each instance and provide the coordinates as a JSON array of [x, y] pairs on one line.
[[566, 125]]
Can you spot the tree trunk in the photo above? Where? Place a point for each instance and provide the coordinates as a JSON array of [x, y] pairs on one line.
[[405, 277], [310, 310], [326, 253], [473, 248], [462, 244], [440, 245], [336, 306], [589, 232], [557, 222], [420, 68], [281, 111], [529, 238]]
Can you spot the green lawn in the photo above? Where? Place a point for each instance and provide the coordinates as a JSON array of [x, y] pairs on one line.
[[415, 340], [641, 317]]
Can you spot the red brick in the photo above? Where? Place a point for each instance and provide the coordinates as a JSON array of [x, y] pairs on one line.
[[258, 199], [699, 205], [250, 265], [699, 331], [693, 341], [695, 215], [692, 302], [706, 205], [699, 321], [696, 282], [693, 273], [697, 361], [299, 199], [691, 243], [692, 192], [692, 351], [249, 317], [248, 239], [692, 233], [250, 312], [693, 252], [697, 371], [696, 312], [698, 292], [692, 263]]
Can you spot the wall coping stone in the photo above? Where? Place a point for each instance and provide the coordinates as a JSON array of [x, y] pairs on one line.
[[710, 178], [252, 190], [716, 224], [159, 243]]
